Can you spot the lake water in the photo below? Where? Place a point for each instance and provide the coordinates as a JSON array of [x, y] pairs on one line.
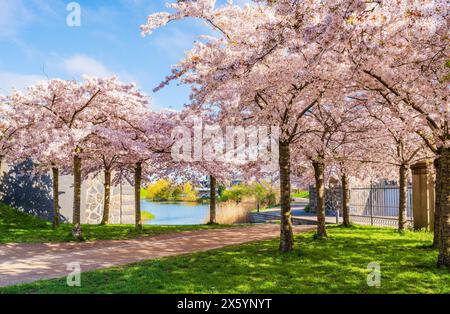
[[176, 213]]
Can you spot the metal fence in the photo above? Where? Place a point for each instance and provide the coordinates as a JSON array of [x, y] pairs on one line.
[[378, 205]]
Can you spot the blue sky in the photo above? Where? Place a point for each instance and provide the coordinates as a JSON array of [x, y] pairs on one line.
[[36, 43]]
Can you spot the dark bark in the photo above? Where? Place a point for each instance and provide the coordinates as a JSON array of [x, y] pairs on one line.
[[76, 231], [319, 167], [403, 189], [55, 179], [137, 195], [212, 199], [286, 234], [444, 179], [107, 197], [345, 200], [437, 204]]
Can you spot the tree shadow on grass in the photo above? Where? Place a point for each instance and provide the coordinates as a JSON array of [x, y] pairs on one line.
[[338, 265]]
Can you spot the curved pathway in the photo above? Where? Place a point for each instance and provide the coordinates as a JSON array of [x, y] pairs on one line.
[[21, 263]]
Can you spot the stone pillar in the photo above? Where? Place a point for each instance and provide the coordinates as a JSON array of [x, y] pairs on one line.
[[423, 195]]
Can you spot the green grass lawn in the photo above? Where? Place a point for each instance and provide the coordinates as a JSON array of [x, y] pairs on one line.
[[18, 227], [336, 265], [301, 194]]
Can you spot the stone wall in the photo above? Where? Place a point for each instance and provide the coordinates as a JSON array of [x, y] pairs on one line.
[[26, 190], [333, 200], [33, 194], [122, 202]]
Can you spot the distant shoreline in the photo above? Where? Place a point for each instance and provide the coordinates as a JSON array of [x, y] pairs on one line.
[[174, 201]]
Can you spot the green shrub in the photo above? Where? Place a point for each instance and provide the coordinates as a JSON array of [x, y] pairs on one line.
[[166, 190], [270, 199], [264, 194], [307, 209], [236, 193], [144, 194]]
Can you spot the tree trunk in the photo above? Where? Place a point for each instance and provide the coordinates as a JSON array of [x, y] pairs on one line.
[[76, 231], [212, 199], [137, 195], [345, 200], [437, 204], [55, 179], [286, 234], [403, 189], [319, 167], [444, 241], [107, 197]]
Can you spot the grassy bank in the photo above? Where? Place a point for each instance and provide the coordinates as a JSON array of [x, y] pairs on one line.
[[147, 216], [301, 194], [18, 227], [336, 265]]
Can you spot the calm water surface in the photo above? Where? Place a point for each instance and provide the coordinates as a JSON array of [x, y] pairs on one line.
[[176, 213]]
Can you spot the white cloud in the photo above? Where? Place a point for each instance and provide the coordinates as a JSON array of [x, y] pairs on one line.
[[79, 65], [18, 14], [13, 16], [10, 80]]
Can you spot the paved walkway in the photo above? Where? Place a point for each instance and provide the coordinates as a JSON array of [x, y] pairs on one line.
[[299, 216], [21, 263]]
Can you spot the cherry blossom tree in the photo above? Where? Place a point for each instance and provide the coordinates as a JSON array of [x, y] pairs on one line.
[[397, 145], [12, 125], [198, 149], [19, 140], [147, 150], [38, 138], [109, 146], [350, 166], [7, 129], [69, 108], [247, 81], [331, 130], [399, 52], [95, 121], [70, 115]]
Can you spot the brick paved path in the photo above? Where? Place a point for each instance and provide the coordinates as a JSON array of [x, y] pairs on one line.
[[21, 263]]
